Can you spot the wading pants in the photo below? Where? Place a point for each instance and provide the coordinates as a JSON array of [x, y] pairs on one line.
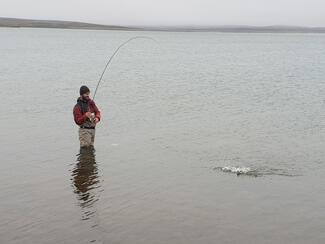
[[86, 137]]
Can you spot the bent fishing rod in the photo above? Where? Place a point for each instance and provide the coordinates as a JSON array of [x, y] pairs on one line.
[[113, 55]]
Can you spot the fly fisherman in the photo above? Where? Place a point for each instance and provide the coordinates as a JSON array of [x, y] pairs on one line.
[[86, 115]]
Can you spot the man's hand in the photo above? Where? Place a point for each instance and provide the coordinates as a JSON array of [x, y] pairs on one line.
[[88, 114], [96, 120]]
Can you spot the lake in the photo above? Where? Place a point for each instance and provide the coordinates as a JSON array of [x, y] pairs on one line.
[[204, 138]]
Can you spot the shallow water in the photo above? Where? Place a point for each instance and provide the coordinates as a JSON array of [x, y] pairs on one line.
[[174, 114]]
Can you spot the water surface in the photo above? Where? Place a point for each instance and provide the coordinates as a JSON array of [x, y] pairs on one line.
[[173, 116]]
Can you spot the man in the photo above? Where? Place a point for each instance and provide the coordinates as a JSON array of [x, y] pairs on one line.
[[86, 115]]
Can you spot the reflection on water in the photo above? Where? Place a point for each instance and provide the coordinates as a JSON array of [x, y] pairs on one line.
[[86, 181]]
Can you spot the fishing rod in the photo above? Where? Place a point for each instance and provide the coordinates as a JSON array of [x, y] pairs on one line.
[[113, 55]]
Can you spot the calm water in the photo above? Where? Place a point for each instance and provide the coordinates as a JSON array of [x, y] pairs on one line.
[[180, 119]]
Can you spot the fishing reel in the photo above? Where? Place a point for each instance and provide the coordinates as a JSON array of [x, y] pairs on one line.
[[92, 117]]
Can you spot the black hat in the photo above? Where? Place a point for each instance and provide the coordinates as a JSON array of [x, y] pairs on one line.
[[83, 90]]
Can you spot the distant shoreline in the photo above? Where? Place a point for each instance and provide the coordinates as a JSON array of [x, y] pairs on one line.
[[30, 23]]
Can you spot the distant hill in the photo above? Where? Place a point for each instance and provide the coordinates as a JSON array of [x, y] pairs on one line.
[[241, 28], [12, 22]]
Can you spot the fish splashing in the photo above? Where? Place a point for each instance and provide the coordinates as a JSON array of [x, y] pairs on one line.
[[237, 170]]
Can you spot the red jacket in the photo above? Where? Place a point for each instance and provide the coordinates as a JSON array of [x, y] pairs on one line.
[[80, 109]]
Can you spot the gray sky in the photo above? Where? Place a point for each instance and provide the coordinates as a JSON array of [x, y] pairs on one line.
[[171, 12]]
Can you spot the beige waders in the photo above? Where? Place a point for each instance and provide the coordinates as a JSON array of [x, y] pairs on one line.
[[86, 137]]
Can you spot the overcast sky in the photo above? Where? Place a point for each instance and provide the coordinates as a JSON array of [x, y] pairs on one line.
[[171, 12]]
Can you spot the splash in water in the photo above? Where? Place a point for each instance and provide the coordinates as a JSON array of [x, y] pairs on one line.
[[237, 170], [256, 172]]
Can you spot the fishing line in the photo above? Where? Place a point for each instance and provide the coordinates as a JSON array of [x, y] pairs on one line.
[[113, 55]]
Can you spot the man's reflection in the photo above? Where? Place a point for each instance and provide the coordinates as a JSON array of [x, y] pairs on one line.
[[85, 180]]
